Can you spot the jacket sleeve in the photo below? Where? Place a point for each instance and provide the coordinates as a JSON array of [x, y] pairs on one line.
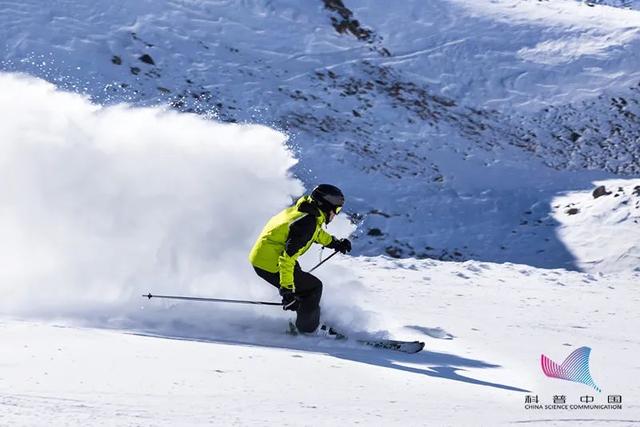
[[324, 238], [300, 233]]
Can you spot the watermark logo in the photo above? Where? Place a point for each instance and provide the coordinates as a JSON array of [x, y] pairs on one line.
[[574, 368]]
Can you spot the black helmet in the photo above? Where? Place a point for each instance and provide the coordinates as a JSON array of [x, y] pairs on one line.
[[328, 197]]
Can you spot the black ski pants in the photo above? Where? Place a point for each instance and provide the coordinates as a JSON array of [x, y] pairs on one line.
[[308, 289]]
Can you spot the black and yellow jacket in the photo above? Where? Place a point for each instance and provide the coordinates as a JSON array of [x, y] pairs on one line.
[[288, 235]]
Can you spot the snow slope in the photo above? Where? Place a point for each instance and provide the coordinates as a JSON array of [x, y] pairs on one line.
[[460, 115], [485, 326]]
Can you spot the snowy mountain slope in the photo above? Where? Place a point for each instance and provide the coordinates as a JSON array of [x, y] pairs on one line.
[[520, 53], [602, 227], [485, 326], [629, 4], [451, 111], [103, 204]]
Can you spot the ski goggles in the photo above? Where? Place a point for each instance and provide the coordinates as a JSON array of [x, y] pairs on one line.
[[337, 209]]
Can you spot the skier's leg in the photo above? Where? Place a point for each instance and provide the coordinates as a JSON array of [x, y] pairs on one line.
[[309, 289], [272, 278]]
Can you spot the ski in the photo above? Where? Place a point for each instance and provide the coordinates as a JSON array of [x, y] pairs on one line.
[[324, 331], [403, 346]]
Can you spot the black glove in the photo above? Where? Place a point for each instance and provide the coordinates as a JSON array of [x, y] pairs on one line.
[[289, 300], [341, 245]]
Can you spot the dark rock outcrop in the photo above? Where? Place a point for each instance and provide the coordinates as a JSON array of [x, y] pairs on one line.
[[600, 191]]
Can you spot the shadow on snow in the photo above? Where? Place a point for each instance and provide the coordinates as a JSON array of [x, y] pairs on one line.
[[432, 364]]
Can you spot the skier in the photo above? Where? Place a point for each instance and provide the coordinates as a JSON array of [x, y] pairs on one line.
[[288, 235]]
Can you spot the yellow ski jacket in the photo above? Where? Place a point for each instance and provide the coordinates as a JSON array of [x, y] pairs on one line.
[[288, 235]]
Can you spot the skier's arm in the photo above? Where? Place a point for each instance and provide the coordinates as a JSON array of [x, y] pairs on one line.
[[332, 242], [340, 245], [300, 233], [324, 238]]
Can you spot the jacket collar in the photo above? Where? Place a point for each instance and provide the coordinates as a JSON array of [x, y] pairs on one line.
[[307, 205]]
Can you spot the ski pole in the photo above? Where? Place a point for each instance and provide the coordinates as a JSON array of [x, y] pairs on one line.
[[234, 301], [323, 261]]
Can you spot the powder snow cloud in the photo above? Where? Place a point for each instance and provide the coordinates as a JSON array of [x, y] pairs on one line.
[[101, 204]]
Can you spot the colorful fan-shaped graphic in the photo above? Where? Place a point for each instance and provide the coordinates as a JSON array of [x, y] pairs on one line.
[[574, 368]]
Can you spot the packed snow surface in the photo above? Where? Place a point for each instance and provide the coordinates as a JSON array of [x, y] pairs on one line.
[[485, 325]]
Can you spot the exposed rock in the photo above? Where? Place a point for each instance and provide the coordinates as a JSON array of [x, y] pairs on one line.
[[572, 211], [600, 191], [375, 232], [147, 59], [575, 136], [344, 22], [116, 60], [135, 71], [393, 251], [636, 190]]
